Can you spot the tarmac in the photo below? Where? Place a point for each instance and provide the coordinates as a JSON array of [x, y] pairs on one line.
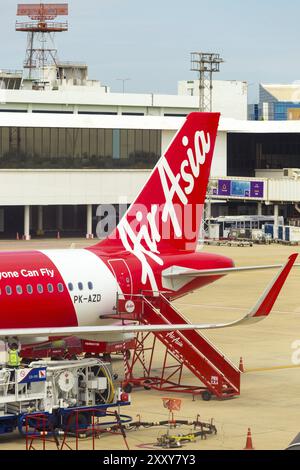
[[270, 386]]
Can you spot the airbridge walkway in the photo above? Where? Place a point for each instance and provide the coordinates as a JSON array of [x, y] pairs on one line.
[[268, 190]]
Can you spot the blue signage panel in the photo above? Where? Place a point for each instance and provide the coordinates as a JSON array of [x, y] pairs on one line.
[[25, 376], [240, 188]]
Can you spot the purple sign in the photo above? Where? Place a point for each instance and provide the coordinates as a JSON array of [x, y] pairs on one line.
[[257, 189], [224, 188]]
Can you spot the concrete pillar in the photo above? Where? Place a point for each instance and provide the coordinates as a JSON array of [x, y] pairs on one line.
[[208, 216], [40, 228], [259, 208], [89, 221], [27, 222], [276, 215], [208, 209]]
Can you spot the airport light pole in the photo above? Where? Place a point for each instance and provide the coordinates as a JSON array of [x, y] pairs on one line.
[[205, 63], [123, 80]]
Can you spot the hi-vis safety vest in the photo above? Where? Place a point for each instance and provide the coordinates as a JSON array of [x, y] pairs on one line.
[[13, 358]]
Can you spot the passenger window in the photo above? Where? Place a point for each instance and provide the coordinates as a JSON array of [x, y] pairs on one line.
[[80, 286], [50, 288], [19, 290], [29, 289], [90, 285], [8, 290], [40, 288], [70, 286], [60, 287]]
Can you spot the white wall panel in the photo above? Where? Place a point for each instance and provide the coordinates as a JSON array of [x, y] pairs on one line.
[[284, 190], [219, 162], [53, 187]]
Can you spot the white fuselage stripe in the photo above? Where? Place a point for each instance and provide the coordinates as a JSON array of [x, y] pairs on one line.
[[83, 268]]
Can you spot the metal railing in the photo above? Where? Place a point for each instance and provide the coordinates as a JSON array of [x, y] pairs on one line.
[[42, 26]]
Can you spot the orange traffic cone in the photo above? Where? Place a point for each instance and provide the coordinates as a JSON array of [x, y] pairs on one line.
[[241, 365], [249, 444]]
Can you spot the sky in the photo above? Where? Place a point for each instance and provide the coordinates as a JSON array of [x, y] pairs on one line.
[[150, 42]]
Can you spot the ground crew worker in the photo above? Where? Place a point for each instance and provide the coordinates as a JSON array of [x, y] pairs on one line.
[[13, 363], [13, 356]]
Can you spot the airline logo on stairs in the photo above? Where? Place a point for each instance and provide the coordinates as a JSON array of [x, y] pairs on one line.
[[174, 339]]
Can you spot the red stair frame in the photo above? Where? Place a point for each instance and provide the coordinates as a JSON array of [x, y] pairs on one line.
[[217, 375]]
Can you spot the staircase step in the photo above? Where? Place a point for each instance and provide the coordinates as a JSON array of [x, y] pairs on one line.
[[196, 352]]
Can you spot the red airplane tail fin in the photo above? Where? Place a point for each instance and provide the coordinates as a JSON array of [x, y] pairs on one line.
[[166, 214]]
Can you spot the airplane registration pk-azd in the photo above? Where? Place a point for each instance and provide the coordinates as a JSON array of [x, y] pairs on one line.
[[46, 293]]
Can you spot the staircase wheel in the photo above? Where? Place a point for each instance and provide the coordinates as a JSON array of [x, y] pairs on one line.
[[206, 395], [128, 388], [147, 385]]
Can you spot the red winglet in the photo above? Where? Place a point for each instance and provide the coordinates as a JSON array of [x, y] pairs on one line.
[[267, 300]]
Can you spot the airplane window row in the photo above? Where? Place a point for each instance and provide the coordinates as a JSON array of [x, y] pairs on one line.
[[80, 286], [41, 289], [29, 289]]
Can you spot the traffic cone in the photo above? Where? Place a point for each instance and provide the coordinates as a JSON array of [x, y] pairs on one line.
[[241, 365], [249, 444]]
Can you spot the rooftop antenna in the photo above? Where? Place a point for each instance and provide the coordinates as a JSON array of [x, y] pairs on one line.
[[40, 30], [205, 63]]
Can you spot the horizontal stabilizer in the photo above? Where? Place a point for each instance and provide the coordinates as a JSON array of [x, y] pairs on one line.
[[178, 271]]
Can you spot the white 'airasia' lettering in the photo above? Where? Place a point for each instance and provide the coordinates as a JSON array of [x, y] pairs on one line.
[[196, 158], [137, 249], [143, 244]]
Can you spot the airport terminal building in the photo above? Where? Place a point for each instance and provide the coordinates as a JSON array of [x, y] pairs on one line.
[[66, 150]]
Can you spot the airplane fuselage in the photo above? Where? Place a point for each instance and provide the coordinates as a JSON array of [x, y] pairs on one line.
[[57, 288]]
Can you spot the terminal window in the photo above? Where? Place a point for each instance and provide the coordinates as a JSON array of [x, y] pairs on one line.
[[26, 147], [248, 152]]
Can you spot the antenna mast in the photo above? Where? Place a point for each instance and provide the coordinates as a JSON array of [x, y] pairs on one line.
[[41, 28], [205, 63]]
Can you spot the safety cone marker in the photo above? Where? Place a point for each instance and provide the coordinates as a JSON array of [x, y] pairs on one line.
[[241, 365], [249, 444]]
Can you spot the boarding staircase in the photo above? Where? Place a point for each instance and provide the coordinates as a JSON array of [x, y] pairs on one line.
[[215, 373]]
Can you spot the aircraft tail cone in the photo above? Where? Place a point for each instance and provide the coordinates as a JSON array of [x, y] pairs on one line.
[[249, 443]]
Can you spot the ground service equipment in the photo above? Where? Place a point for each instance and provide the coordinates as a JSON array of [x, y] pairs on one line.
[[56, 389]]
